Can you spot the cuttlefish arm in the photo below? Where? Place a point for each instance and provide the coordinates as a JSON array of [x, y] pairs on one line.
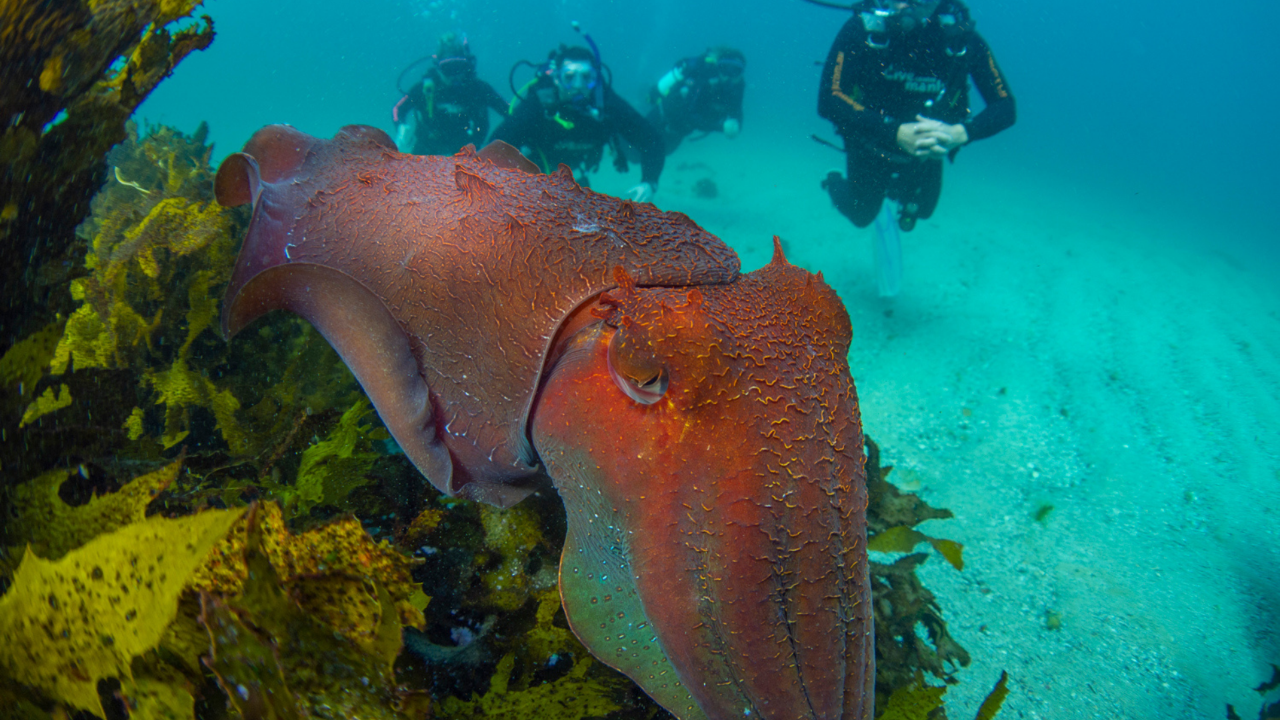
[[708, 448], [441, 281]]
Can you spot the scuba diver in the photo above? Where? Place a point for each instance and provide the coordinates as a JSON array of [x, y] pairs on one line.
[[896, 87], [568, 113], [449, 108], [700, 93]]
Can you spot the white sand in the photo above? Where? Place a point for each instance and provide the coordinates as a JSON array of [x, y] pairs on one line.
[[1055, 347]]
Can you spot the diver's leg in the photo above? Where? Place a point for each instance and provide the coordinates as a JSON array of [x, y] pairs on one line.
[[858, 195], [922, 186]]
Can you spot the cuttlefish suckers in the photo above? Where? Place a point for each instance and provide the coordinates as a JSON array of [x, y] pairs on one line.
[[701, 425]]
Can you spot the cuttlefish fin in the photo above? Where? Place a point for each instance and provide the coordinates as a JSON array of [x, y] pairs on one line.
[[503, 155], [355, 321], [370, 341]]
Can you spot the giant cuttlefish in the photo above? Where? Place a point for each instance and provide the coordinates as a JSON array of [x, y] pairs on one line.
[[700, 424]]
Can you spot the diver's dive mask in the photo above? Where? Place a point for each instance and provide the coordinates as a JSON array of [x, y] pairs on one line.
[[577, 80], [894, 18], [456, 67], [729, 69]]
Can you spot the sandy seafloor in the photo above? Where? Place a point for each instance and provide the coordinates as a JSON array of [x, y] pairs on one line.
[[1055, 345]]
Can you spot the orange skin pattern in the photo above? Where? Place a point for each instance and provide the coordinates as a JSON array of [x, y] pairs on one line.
[[702, 426], [739, 498]]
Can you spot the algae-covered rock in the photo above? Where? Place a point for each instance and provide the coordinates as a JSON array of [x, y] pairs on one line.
[[73, 74], [66, 624]]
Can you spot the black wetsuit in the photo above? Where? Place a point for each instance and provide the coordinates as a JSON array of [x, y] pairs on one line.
[[551, 132], [702, 101], [451, 114], [868, 91]]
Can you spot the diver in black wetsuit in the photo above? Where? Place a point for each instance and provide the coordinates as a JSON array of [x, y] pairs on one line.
[[568, 114], [702, 93], [449, 108], [895, 85]]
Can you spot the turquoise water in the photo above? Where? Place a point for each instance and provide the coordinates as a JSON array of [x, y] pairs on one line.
[[1089, 321]]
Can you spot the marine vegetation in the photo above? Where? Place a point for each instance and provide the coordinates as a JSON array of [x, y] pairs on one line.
[[137, 363], [295, 621]]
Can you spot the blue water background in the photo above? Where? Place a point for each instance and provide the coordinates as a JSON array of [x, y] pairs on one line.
[[1170, 106]]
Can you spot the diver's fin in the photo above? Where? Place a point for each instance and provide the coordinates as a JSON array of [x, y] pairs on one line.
[[888, 250]]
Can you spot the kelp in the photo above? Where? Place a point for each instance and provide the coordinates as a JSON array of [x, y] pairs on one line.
[[920, 701], [903, 539], [332, 468], [995, 699], [138, 364], [304, 639], [901, 603], [326, 607], [23, 364], [320, 569], [50, 527], [66, 624], [513, 535], [571, 697]]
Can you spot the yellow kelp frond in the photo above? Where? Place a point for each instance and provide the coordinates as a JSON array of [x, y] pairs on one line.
[[158, 692], [547, 639], [66, 624], [25, 363], [179, 388], [133, 424], [902, 605], [47, 402], [914, 701], [340, 549], [512, 534], [572, 697], [995, 699], [902, 539], [51, 527], [335, 466], [66, 105], [293, 646], [422, 526]]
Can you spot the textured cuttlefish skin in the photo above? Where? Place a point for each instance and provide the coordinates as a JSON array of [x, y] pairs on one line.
[[701, 425]]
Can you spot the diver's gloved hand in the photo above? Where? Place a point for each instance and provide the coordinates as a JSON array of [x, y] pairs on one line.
[[642, 192], [731, 127], [407, 132], [928, 138], [949, 136]]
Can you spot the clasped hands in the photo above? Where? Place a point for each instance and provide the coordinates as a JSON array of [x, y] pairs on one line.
[[928, 138]]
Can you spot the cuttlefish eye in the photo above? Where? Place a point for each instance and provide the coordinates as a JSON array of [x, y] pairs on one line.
[[635, 368]]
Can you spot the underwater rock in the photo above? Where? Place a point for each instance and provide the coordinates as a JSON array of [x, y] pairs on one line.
[[705, 188]]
